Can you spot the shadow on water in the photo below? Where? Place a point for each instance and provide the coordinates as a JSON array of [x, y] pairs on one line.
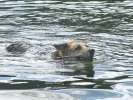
[[86, 69], [83, 79], [33, 84]]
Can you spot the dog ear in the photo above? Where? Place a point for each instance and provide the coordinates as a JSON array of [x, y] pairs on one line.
[[60, 46]]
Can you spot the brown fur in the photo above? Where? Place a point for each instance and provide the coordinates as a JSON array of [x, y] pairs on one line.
[[72, 49]]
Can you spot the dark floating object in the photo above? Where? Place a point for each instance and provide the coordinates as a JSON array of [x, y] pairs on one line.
[[18, 47], [73, 50]]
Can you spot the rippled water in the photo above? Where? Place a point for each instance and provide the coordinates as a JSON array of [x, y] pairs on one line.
[[106, 25]]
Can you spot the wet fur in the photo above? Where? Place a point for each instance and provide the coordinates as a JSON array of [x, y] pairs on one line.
[[74, 49]]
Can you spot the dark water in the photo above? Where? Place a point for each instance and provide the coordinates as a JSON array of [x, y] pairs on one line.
[[106, 25]]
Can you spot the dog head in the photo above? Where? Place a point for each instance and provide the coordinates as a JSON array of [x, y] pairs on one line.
[[71, 45]]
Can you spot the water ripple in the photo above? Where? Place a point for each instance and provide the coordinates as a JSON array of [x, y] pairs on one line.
[[106, 25]]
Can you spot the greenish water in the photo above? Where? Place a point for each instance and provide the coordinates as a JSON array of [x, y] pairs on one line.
[[106, 25]]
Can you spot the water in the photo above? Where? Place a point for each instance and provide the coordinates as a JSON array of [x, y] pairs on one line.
[[106, 25]]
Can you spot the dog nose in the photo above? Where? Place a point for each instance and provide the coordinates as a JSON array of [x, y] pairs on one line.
[[91, 54]]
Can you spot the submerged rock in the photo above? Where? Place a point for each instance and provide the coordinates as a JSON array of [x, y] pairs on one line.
[[18, 47]]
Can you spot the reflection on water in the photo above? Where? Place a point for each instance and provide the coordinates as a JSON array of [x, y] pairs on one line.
[[106, 25]]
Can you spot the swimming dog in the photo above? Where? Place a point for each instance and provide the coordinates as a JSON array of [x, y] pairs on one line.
[[73, 49]]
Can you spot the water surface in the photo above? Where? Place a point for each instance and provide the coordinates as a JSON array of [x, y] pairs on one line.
[[106, 25]]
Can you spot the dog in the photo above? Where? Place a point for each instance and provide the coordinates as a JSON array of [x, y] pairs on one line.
[[73, 49]]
